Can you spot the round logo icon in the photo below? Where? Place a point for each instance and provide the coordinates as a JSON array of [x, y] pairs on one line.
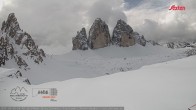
[[18, 94]]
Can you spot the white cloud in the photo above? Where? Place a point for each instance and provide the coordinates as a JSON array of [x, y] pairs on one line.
[[57, 21], [161, 24], [51, 21], [110, 11]]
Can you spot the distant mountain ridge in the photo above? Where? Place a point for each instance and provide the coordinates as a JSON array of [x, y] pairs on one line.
[[181, 44]]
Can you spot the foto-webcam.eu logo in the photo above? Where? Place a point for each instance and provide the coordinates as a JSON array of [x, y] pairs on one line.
[[18, 93]]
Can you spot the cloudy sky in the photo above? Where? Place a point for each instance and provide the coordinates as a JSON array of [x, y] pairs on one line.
[[53, 23]]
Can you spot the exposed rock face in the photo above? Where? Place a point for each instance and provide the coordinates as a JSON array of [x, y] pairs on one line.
[[178, 44], [139, 39], [99, 35], [16, 74], [80, 41], [18, 45], [190, 52], [20, 62], [11, 26], [170, 45], [123, 34]]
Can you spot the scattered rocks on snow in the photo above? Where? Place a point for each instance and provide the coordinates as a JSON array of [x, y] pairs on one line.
[[18, 75]]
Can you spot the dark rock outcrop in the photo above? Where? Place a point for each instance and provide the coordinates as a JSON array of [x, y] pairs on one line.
[[99, 35], [80, 41], [139, 39], [190, 52], [20, 62], [11, 26], [122, 34], [178, 44], [170, 45], [14, 43], [18, 75]]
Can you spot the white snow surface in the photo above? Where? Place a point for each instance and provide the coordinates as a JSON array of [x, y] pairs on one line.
[[163, 86], [93, 63]]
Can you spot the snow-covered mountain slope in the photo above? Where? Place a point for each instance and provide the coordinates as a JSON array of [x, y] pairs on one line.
[[164, 86], [93, 63], [16, 45]]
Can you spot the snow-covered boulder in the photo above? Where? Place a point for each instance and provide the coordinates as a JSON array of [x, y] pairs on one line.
[[99, 35], [80, 41]]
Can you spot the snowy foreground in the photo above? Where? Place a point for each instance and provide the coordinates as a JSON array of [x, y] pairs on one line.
[[164, 86]]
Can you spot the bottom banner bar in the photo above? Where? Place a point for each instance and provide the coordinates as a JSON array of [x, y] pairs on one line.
[[61, 108]]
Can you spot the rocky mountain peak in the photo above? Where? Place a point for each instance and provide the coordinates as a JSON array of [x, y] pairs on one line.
[[123, 26], [99, 21], [11, 26], [80, 41], [99, 35], [83, 33], [17, 45], [122, 34]]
